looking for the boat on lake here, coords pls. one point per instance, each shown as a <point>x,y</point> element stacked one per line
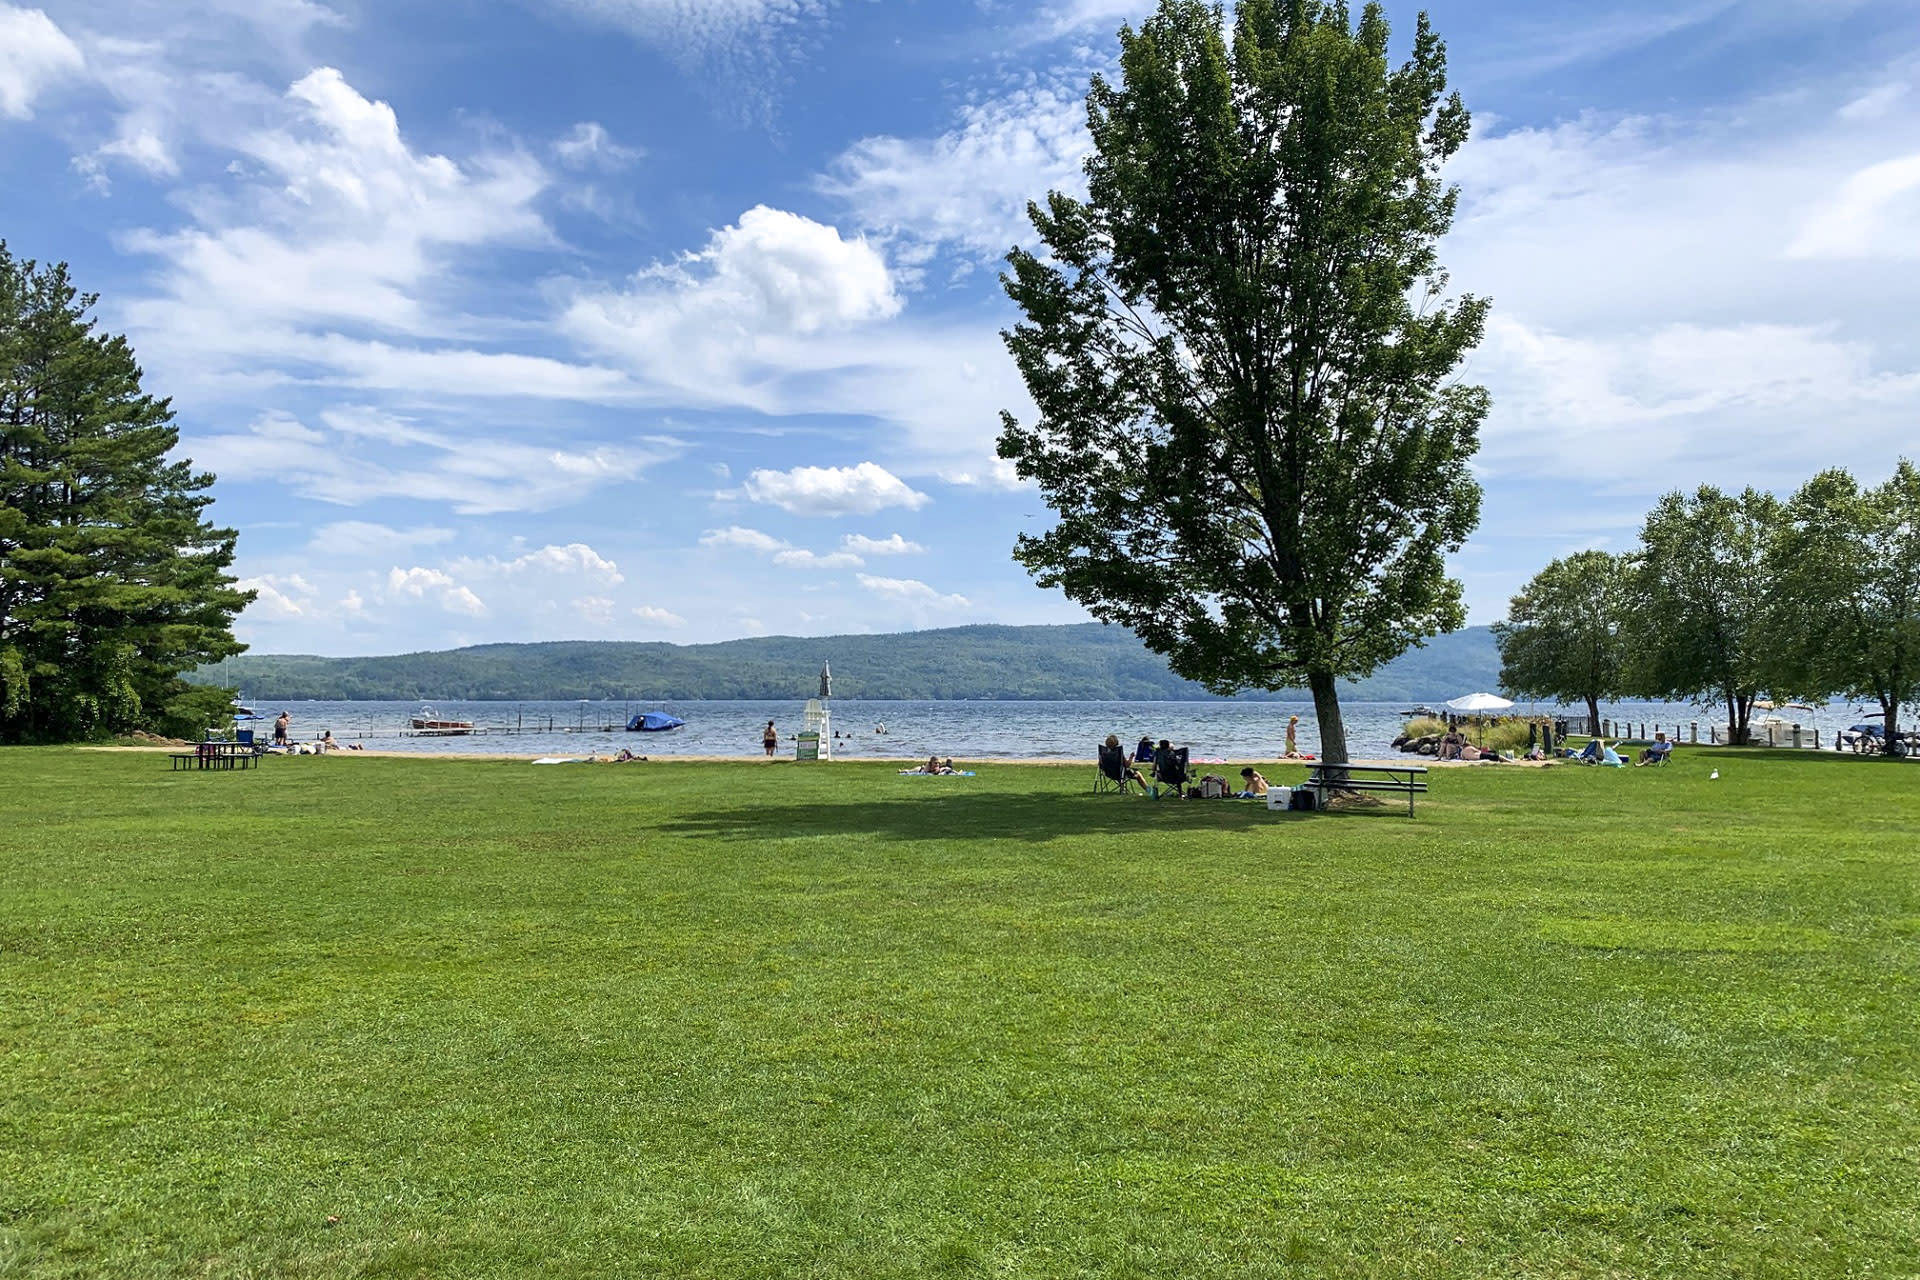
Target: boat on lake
<point>653,722</point>
<point>428,721</point>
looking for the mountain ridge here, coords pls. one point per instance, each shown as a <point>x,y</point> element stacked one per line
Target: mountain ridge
<point>1074,662</point>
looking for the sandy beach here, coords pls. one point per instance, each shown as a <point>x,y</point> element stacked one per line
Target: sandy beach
<point>1197,767</point>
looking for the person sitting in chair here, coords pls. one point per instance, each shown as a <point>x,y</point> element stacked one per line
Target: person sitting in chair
<point>1114,764</point>
<point>1656,752</point>
<point>1170,767</point>
<point>1452,744</point>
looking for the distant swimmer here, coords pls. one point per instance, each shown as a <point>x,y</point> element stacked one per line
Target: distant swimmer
<point>880,728</point>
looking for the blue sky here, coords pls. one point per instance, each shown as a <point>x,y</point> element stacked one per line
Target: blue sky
<point>678,319</point>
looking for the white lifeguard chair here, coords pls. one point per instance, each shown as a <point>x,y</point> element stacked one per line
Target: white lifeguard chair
<point>817,719</point>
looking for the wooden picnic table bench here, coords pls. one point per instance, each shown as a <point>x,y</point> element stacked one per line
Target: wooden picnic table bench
<point>1400,779</point>
<point>213,755</point>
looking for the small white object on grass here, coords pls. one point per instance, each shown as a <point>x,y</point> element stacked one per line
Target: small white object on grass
<point>1713,775</point>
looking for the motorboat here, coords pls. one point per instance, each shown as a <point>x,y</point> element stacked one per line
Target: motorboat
<point>428,721</point>
<point>653,722</point>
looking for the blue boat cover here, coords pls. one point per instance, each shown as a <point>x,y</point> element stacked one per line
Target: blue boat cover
<point>653,722</point>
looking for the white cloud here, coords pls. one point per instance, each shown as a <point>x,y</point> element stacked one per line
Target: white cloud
<point>911,591</point>
<point>416,582</point>
<point>35,54</point>
<point>1650,328</point>
<point>772,277</point>
<point>1875,214</point>
<point>332,254</point>
<point>420,583</point>
<point>278,597</point>
<point>783,553</point>
<point>997,475</point>
<point>353,539</point>
<point>1877,102</point>
<point>588,145</point>
<point>659,617</point>
<point>801,558</point>
<point>833,491</point>
<point>463,601</point>
<point>365,454</point>
<point>597,610</point>
<point>731,46</point>
<point>742,539</point>
<point>891,545</point>
<point>970,186</point>
<point>574,558</point>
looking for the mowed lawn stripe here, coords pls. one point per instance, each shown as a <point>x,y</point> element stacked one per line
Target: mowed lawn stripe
<point>756,1020</point>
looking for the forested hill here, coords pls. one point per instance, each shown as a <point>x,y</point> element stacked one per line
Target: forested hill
<point>1073,663</point>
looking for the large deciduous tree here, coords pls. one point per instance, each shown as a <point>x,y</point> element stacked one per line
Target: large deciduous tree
<point>1845,571</point>
<point>111,581</point>
<point>1241,350</point>
<point>1562,637</point>
<point>1698,602</point>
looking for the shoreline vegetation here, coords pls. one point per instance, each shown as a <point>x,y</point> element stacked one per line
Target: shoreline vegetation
<point>733,1020</point>
<point>1082,662</point>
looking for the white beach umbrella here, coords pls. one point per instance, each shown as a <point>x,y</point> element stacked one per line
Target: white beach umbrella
<point>1479,704</point>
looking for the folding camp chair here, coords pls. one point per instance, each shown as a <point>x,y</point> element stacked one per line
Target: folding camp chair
<point>1111,772</point>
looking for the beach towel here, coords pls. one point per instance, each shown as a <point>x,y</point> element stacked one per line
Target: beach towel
<point>922,773</point>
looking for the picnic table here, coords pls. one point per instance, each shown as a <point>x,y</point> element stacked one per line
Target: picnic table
<point>1399,779</point>
<point>214,755</point>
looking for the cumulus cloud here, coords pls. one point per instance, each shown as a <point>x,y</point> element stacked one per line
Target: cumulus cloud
<point>771,278</point>
<point>422,583</point>
<point>891,545</point>
<point>833,491</point>
<point>574,558</point>
<point>35,55</point>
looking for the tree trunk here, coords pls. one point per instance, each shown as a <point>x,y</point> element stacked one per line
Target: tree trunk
<point>1593,713</point>
<point>1890,719</point>
<point>1326,711</point>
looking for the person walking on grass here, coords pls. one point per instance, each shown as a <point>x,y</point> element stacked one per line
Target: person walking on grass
<point>769,739</point>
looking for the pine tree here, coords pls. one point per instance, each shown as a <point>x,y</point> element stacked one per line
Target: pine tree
<point>112,582</point>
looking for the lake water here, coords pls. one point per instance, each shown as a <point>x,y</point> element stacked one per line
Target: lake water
<point>963,730</point>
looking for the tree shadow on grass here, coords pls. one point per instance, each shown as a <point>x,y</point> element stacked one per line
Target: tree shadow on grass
<point>982,815</point>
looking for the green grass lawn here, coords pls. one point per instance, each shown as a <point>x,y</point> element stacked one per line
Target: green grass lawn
<point>749,1020</point>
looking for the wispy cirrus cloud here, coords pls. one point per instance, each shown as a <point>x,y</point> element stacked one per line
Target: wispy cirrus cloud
<point>360,455</point>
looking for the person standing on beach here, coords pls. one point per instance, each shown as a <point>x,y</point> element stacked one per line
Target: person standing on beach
<point>769,739</point>
<point>1293,738</point>
<point>280,727</point>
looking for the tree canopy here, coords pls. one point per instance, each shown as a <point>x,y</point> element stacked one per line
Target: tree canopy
<point>1696,613</point>
<point>1844,568</point>
<point>112,582</point>
<point>1562,637</point>
<point>1241,350</point>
